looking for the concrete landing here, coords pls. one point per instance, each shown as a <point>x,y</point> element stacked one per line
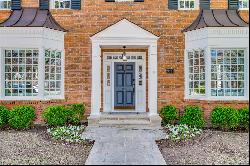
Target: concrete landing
<point>123,146</point>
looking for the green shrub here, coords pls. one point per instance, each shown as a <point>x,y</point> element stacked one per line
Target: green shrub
<point>4,116</point>
<point>64,115</point>
<point>55,115</point>
<point>75,113</point>
<point>225,117</point>
<point>193,117</point>
<point>244,118</point>
<point>169,114</point>
<point>21,117</point>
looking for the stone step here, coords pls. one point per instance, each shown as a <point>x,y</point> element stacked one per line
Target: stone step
<point>124,122</point>
<point>124,116</point>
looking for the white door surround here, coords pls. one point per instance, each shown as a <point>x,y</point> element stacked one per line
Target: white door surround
<point>109,59</point>
<point>123,33</point>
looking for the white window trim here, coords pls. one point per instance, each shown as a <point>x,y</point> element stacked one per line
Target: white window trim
<point>41,77</point>
<point>6,8</point>
<point>207,95</point>
<point>244,7</point>
<point>52,5</point>
<point>196,6</point>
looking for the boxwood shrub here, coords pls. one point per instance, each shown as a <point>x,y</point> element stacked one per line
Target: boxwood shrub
<point>21,117</point>
<point>55,115</point>
<point>4,116</point>
<point>64,115</point>
<point>244,118</point>
<point>169,114</point>
<point>225,118</point>
<point>76,113</point>
<point>193,117</point>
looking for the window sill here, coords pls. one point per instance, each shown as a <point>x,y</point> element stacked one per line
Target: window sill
<point>5,9</point>
<point>243,9</point>
<point>179,9</point>
<point>31,98</point>
<point>202,98</point>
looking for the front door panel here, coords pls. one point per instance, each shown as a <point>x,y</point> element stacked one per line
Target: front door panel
<point>124,85</point>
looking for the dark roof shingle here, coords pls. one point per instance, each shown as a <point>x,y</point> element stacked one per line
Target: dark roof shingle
<point>32,17</point>
<point>217,18</point>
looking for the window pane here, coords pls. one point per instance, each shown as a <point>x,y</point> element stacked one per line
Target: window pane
<point>230,76</point>
<point>21,77</point>
<point>196,66</point>
<point>53,73</point>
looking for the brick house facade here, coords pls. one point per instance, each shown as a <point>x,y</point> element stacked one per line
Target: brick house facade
<point>151,15</point>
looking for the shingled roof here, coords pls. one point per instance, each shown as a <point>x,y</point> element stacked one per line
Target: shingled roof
<point>32,17</point>
<point>217,18</point>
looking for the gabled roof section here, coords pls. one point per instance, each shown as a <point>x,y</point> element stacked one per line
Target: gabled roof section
<point>217,18</point>
<point>124,29</point>
<point>32,17</point>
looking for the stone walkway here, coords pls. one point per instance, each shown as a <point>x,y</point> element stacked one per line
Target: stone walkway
<point>121,146</point>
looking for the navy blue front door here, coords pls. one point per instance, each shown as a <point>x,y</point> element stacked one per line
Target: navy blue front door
<point>124,85</point>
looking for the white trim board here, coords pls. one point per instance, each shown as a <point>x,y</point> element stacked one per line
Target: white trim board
<point>124,33</point>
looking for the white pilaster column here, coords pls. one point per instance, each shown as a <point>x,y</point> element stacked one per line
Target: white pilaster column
<point>152,80</point>
<point>41,72</point>
<point>96,80</point>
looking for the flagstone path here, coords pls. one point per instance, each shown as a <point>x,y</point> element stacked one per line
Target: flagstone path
<point>123,146</point>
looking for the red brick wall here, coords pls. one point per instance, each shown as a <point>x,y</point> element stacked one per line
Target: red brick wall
<point>152,15</point>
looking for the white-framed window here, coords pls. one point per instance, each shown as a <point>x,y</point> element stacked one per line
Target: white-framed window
<point>227,72</point>
<point>188,4</point>
<point>53,73</point>
<point>28,75</point>
<point>61,4</point>
<point>21,72</point>
<point>5,4</point>
<point>196,72</point>
<point>244,4</point>
<point>219,75</point>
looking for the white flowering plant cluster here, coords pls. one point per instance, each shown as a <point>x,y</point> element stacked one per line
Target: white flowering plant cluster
<point>182,132</point>
<point>70,134</point>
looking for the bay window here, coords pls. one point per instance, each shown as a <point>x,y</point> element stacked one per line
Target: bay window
<point>24,74</point>
<point>222,76</point>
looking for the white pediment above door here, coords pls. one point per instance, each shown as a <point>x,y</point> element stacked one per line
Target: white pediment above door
<point>124,29</point>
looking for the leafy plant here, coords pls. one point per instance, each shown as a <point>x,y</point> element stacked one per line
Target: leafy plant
<point>75,113</point>
<point>182,132</point>
<point>169,114</point>
<point>21,117</point>
<point>244,118</point>
<point>55,115</point>
<point>225,118</point>
<point>4,116</point>
<point>71,134</point>
<point>64,115</point>
<point>193,117</point>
